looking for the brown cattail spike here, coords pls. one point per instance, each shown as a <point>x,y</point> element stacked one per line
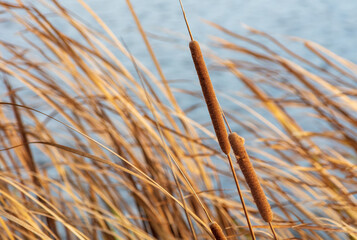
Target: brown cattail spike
<point>251,177</point>
<point>217,231</point>
<point>213,106</point>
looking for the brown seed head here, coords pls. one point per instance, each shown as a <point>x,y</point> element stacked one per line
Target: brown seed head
<point>250,176</point>
<point>217,231</point>
<point>213,106</point>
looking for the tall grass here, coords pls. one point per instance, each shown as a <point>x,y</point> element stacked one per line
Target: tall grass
<point>92,149</point>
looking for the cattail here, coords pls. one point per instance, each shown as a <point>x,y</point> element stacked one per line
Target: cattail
<point>217,231</point>
<point>213,106</point>
<point>251,178</point>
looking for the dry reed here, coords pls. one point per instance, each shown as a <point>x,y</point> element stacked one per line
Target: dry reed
<point>119,186</point>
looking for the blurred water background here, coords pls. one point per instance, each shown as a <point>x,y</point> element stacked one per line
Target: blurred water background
<point>331,23</point>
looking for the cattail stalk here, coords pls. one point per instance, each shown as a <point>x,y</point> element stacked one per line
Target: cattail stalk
<point>213,106</point>
<point>217,231</point>
<point>251,178</point>
<point>216,115</point>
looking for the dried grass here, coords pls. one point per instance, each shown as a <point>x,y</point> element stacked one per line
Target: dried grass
<point>97,166</point>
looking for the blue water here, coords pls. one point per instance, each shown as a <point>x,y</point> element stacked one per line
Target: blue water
<point>331,23</point>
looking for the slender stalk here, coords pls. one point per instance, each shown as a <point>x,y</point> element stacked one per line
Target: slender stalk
<point>241,197</point>
<point>273,231</point>
<point>184,16</point>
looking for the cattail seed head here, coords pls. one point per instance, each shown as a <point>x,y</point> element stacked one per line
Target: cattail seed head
<point>250,176</point>
<point>217,231</point>
<point>213,106</point>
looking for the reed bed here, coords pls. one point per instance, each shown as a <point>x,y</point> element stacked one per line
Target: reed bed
<point>88,143</point>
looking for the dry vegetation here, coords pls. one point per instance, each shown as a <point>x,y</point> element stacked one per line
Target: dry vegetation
<point>91,149</point>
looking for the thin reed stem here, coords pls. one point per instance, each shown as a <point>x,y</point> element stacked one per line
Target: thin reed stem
<point>273,231</point>
<point>184,16</point>
<point>241,197</point>
<point>225,120</point>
